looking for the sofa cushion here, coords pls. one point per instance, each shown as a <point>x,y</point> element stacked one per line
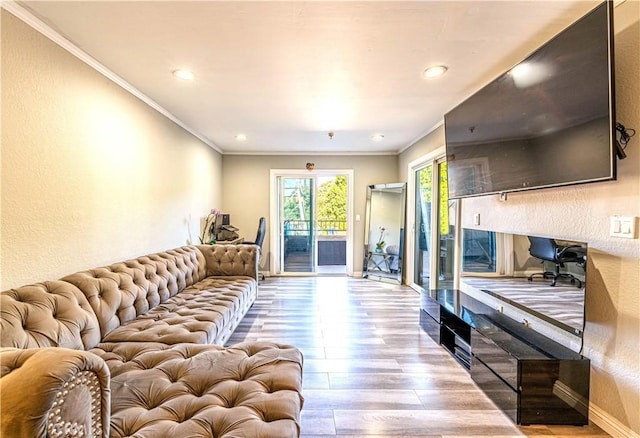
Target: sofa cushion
<point>49,314</point>
<point>121,292</point>
<point>195,390</point>
<point>121,357</point>
<point>205,313</point>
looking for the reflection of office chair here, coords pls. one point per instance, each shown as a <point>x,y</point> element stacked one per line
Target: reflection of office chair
<point>547,250</point>
<point>262,229</point>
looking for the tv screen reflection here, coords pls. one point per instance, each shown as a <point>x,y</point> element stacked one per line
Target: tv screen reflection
<point>539,275</point>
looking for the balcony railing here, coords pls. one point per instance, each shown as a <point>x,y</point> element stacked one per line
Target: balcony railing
<point>324,228</point>
<point>331,238</point>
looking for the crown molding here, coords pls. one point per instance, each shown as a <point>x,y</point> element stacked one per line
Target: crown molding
<point>309,153</point>
<point>421,136</point>
<point>28,18</point>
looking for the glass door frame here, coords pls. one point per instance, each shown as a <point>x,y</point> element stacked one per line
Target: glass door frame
<point>432,158</point>
<point>305,237</point>
<point>275,231</point>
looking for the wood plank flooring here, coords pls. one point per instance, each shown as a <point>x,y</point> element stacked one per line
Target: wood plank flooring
<point>369,370</point>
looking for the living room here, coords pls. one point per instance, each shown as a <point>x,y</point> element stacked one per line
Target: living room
<point>92,175</point>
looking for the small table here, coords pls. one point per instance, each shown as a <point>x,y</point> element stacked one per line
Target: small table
<point>379,261</point>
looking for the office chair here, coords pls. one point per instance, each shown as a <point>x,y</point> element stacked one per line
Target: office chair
<point>546,249</point>
<point>262,229</point>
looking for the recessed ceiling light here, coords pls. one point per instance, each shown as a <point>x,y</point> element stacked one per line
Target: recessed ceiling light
<point>241,137</point>
<point>183,74</point>
<point>377,137</point>
<point>435,71</point>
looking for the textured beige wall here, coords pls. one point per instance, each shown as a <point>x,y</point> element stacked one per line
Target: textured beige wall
<point>90,174</point>
<point>612,332</point>
<point>246,195</point>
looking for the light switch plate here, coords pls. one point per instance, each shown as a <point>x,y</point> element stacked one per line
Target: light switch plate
<point>623,226</point>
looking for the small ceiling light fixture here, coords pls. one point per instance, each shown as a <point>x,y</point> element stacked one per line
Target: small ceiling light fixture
<point>241,137</point>
<point>377,137</point>
<point>185,75</point>
<point>435,71</point>
<point>330,135</point>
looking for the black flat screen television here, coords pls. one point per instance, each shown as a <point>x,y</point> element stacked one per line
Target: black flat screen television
<point>549,121</point>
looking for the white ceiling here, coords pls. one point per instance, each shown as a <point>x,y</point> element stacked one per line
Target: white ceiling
<point>287,73</point>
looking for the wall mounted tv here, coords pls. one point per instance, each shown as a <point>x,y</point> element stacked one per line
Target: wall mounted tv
<point>549,121</point>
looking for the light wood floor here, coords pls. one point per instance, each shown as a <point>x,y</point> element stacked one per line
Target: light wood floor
<point>369,370</point>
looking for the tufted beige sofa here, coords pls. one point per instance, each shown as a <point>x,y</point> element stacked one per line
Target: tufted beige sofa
<point>135,349</point>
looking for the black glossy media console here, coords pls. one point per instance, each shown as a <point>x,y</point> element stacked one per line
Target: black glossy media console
<point>533,379</point>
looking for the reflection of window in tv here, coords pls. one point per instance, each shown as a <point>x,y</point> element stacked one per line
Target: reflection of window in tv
<point>478,251</point>
<point>469,175</point>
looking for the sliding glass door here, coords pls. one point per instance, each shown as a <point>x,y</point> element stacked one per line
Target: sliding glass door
<point>311,229</point>
<point>434,224</point>
<point>422,230</point>
<point>297,222</point>
<point>446,226</point>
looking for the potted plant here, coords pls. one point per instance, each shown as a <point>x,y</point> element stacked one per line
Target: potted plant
<point>380,243</point>
<point>208,229</point>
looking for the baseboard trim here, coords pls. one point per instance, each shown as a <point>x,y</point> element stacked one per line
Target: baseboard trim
<point>570,397</point>
<point>609,424</point>
<point>267,274</point>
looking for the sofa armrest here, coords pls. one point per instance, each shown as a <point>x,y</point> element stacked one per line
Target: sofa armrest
<point>231,260</point>
<point>52,392</point>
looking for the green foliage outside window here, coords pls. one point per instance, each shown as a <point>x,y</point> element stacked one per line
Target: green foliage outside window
<point>297,199</point>
<point>426,183</point>
<point>331,213</point>
<point>426,195</point>
<point>444,199</point>
<point>332,200</point>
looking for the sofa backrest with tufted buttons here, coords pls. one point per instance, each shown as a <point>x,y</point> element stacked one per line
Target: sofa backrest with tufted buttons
<point>231,260</point>
<point>82,308</point>
<point>120,292</point>
<point>49,314</point>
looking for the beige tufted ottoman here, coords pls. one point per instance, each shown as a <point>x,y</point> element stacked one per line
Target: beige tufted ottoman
<point>187,390</point>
